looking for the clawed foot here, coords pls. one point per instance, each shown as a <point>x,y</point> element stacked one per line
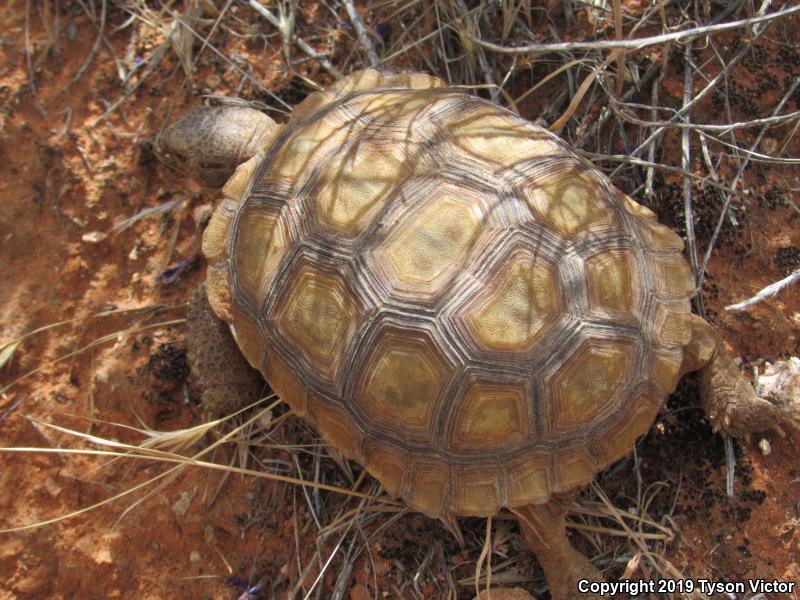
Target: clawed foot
<point>735,409</point>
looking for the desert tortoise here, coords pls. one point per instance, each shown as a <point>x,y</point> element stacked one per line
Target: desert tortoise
<point>454,298</point>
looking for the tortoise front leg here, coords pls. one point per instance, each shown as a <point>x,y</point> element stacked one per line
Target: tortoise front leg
<point>544,530</point>
<point>727,397</point>
<point>226,380</point>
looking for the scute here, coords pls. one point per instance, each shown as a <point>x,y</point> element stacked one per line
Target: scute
<point>335,424</point>
<point>613,280</point>
<point>307,145</point>
<point>476,491</point>
<point>317,316</point>
<point>621,434</point>
<point>487,136</point>
<point>251,259</point>
<point>427,486</point>
<point>587,385</point>
<point>491,415</point>
<point>571,200</point>
<point>403,380</point>
<point>356,184</point>
<point>513,312</point>
<point>450,294</point>
<point>433,243</point>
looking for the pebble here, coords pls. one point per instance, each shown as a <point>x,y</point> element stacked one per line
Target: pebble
<point>94,237</point>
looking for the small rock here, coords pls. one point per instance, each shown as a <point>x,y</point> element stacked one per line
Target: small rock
<point>265,420</point>
<point>208,533</point>
<point>52,487</point>
<point>764,446</point>
<point>212,81</point>
<point>94,237</point>
<point>182,504</point>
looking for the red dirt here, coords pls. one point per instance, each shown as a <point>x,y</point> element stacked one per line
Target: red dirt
<point>65,172</point>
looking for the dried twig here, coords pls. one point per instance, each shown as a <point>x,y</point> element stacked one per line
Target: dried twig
<point>301,43</point>
<point>95,47</point>
<point>361,32</point>
<point>472,31</point>
<point>765,293</point>
<point>637,44</point>
<point>686,163</point>
<point>738,176</point>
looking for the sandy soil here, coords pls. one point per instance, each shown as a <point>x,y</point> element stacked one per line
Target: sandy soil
<point>71,170</point>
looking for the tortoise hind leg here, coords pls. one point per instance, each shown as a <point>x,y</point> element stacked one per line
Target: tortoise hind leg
<point>544,530</point>
<point>727,397</point>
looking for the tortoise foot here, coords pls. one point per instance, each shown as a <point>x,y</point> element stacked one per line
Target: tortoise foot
<point>733,406</point>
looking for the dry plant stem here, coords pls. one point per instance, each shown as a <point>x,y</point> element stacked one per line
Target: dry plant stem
<point>95,47</point>
<point>582,90</point>
<point>738,176</point>
<point>301,43</point>
<point>153,61</point>
<point>361,32</point>
<point>765,293</point>
<point>637,44</point>
<point>620,79</point>
<point>28,61</point>
<point>233,65</point>
<point>686,164</point>
<point>217,21</point>
<point>710,86</point>
<point>544,530</point>
<point>486,555</point>
<point>710,127</point>
<point>472,30</point>
<point>606,112</point>
<point>651,150</point>
<point>594,156</point>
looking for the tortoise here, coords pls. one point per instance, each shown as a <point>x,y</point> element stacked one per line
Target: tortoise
<point>453,297</point>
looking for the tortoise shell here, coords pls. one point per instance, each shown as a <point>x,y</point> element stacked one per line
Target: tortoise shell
<point>451,295</point>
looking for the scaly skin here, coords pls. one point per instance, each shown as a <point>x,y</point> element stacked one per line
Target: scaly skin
<point>209,142</point>
<point>226,380</point>
<point>727,397</point>
<point>543,528</point>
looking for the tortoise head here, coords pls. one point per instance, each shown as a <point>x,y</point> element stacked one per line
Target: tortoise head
<point>209,142</point>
